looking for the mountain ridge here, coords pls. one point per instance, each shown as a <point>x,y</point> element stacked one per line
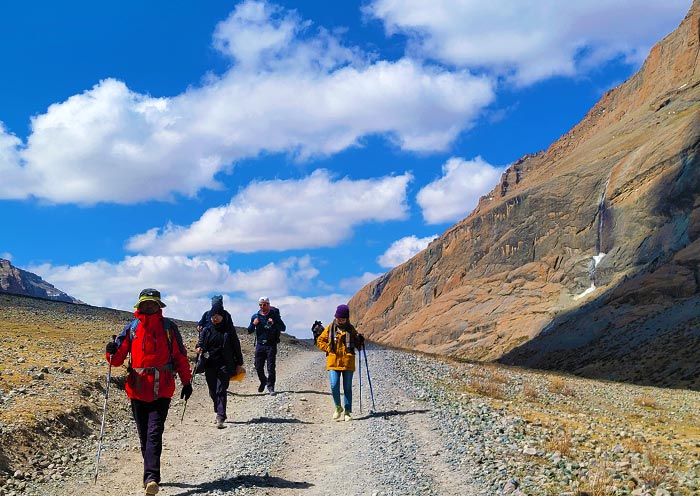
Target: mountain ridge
<point>17,281</point>
<point>606,209</point>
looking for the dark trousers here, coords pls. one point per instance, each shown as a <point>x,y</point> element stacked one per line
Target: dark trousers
<point>266,354</point>
<point>150,423</point>
<point>217,382</point>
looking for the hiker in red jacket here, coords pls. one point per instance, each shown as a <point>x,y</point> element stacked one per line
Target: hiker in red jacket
<point>157,353</point>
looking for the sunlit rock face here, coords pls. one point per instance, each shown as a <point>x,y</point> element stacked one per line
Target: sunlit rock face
<point>585,255</point>
<point>18,281</point>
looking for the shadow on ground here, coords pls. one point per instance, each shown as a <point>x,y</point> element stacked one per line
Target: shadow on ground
<point>390,413</point>
<point>307,391</point>
<point>235,482</point>
<point>271,420</point>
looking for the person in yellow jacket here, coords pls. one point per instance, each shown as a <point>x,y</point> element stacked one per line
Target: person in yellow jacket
<point>340,340</point>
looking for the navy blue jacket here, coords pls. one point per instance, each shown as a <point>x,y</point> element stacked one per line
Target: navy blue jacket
<point>267,334</point>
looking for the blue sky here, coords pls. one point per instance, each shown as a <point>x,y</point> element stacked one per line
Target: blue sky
<point>295,150</point>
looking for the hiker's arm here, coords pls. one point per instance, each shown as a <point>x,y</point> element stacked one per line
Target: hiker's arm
<point>180,361</point>
<point>122,342</point>
<point>322,341</point>
<point>281,326</point>
<point>251,326</point>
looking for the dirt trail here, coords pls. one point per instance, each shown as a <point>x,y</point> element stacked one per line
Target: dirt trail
<point>283,444</point>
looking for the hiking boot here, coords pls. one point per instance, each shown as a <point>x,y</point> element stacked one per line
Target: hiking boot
<point>151,488</point>
<point>347,417</point>
<point>271,390</point>
<point>338,412</point>
<point>261,387</point>
<point>220,424</point>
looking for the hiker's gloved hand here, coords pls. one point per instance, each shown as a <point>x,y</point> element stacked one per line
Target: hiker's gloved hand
<point>360,341</point>
<point>111,348</point>
<point>186,392</point>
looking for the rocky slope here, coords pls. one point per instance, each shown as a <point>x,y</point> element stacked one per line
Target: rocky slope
<point>18,281</point>
<point>585,255</point>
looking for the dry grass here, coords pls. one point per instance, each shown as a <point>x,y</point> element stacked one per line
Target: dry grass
<point>561,442</point>
<point>646,402</point>
<point>484,387</point>
<point>530,392</point>
<point>655,469</point>
<point>597,482</point>
<point>499,377</point>
<point>635,445</point>
<point>558,385</point>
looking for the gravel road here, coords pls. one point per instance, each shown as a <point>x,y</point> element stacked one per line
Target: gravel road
<point>437,427</point>
<point>288,443</point>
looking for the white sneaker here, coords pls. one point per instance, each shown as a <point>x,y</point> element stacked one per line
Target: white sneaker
<point>338,412</point>
<point>347,417</point>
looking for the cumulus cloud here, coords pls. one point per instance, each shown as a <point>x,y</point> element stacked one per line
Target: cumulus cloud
<point>185,283</point>
<point>403,249</point>
<point>280,215</point>
<point>457,192</point>
<point>289,90</point>
<point>530,41</point>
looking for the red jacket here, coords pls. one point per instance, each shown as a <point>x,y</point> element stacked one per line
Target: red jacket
<point>155,357</point>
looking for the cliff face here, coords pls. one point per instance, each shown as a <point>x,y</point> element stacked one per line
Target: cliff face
<point>596,235</point>
<point>18,281</point>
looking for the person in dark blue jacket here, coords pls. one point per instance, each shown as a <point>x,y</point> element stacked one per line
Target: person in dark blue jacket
<point>220,350</point>
<point>267,324</point>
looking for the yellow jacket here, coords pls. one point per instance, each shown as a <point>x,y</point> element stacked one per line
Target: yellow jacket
<point>342,355</point>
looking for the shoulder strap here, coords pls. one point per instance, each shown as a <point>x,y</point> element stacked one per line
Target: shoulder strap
<point>168,328</point>
<point>132,330</point>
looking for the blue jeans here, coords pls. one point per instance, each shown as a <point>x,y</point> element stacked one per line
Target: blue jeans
<point>334,377</point>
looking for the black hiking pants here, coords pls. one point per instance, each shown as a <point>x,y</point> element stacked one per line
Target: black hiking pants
<point>266,354</point>
<point>150,423</point>
<point>217,383</point>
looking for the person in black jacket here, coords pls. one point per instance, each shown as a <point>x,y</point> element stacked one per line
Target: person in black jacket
<point>220,349</point>
<point>206,319</point>
<point>267,324</point>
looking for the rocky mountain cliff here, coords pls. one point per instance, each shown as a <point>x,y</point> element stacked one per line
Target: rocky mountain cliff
<point>18,281</point>
<point>585,257</point>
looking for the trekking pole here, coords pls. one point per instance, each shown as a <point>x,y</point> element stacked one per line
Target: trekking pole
<point>183,411</point>
<point>104,413</point>
<point>196,364</point>
<point>360,364</point>
<point>371,393</point>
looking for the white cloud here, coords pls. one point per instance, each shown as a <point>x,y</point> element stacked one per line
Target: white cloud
<point>15,184</point>
<point>457,192</point>
<point>530,41</point>
<point>279,215</point>
<point>186,285</point>
<point>352,284</point>
<point>292,91</point>
<point>6,256</point>
<point>403,249</point>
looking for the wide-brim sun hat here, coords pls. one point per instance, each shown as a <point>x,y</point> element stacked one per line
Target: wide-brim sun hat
<point>150,294</point>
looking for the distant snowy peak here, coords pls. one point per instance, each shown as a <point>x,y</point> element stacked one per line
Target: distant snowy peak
<point>18,281</point>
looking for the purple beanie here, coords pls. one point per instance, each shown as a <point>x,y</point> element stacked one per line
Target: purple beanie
<point>342,312</point>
